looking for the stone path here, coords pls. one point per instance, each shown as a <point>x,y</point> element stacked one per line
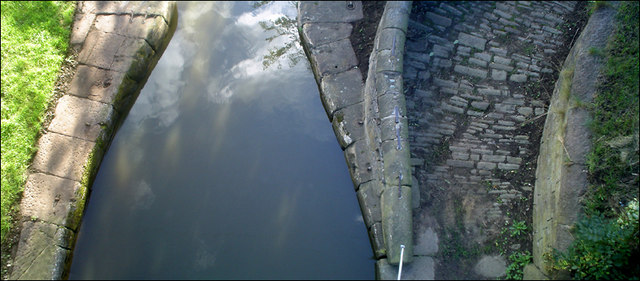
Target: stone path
<point>474,80</point>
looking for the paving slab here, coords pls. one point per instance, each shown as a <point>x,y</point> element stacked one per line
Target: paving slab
<point>53,200</point>
<point>63,156</point>
<point>341,90</point>
<point>82,118</point>
<point>323,33</point>
<point>329,11</point>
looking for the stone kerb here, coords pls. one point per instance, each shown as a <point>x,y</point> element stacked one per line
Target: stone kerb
<point>388,130</point>
<point>119,44</point>
<point>561,178</point>
<point>369,119</point>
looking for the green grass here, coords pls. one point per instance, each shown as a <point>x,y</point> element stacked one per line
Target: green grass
<point>616,115</point>
<point>606,238</point>
<point>35,36</point>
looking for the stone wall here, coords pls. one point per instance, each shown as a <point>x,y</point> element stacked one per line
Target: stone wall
<point>561,175</point>
<point>118,45</point>
<point>369,119</point>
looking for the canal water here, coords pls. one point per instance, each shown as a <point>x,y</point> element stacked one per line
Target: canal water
<point>224,169</point>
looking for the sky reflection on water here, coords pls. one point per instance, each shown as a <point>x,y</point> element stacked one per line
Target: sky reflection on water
<point>224,169</point>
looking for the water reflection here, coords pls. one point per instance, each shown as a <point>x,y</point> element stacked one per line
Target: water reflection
<point>224,169</point>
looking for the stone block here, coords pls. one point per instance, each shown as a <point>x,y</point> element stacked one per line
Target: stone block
<point>100,48</point>
<point>426,243</point>
<point>519,78</point>
<point>422,268</point>
<point>500,66</point>
<point>81,25</point>
<point>471,41</point>
<point>397,222</point>
<point>62,155</point>
<point>369,198</point>
<point>415,193</point>
<point>388,83</point>
<point>53,200</point>
<point>385,41</point>
<point>482,105</point>
<point>360,163</point>
<point>498,75</point>
<point>390,130</point>
<point>42,251</point>
<point>377,240</point>
<point>438,19</point>
<point>153,29</point>
<point>460,163</point>
<point>328,11</point>
<point>387,62</point>
<point>348,124</point>
<point>334,57</point>
<point>341,90</point>
<point>95,83</point>
<point>470,71</point>
<point>388,102</point>
<point>396,162</point>
<point>396,15</point>
<point>323,33</point>
<point>134,57</point>
<point>82,118</point>
<point>164,9</point>
<point>493,158</point>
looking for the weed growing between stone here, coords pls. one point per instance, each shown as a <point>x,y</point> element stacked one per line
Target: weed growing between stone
<point>606,238</point>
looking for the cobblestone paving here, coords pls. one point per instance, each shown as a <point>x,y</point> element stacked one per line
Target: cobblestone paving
<point>474,75</point>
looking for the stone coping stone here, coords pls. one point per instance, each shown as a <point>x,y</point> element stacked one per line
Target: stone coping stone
<point>328,12</point>
<point>151,29</point>
<point>322,33</point>
<point>377,240</point>
<point>81,118</point>
<point>53,200</point>
<point>135,8</point>
<point>348,125</point>
<point>341,90</point>
<point>360,163</point>
<point>397,227</point>
<point>369,198</point>
<point>43,252</point>
<point>63,156</point>
<point>334,57</point>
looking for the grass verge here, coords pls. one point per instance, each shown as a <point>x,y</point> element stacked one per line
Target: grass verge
<point>35,37</point>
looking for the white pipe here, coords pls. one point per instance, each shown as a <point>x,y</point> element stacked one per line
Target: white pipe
<point>401,256</point>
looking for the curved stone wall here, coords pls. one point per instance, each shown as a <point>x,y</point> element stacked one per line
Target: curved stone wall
<point>561,175</point>
<point>369,119</point>
<point>118,45</point>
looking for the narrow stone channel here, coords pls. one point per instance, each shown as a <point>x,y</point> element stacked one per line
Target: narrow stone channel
<point>224,169</point>
<point>478,77</point>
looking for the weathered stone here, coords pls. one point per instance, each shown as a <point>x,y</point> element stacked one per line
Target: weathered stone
<point>81,118</point>
<point>100,48</point>
<point>490,92</point>
<point>396,15</point>
<point>390,130</point>
<point>348,124</point>
<point>334,57</point>
<point>438,19</point>
<point>134,57</point>
<point>387,104</point>
<point>483,56</point>
<point>377,240</point>
<point>341,90</point>
<point>520,78</point>
<point>422,268</point>
<point>328,11</point>
<point>470,71</point>
<point>471,41</point>
<point>397,222</point>
<point>62,155</point>
<point>323,33</point>
<point>369,198</point>
<point>450,108</point>
<point>498,75</point>
<point>508,166</point>
<point>42,252</point>
<point>96,84</point>
<point>54,200</point>
<point>388,62</point>
<point>359,162</point>
<point>478,62</point>
<point>396,162</point>
<point>491,267</point>
<point>480,105</point>
<point>426,243</point>
<point>500,66</point>
<point>493,158</point>
<point>486,165</point>
<point>460,163</point>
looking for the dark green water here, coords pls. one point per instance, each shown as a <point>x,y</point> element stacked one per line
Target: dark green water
<point>224,170</point>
